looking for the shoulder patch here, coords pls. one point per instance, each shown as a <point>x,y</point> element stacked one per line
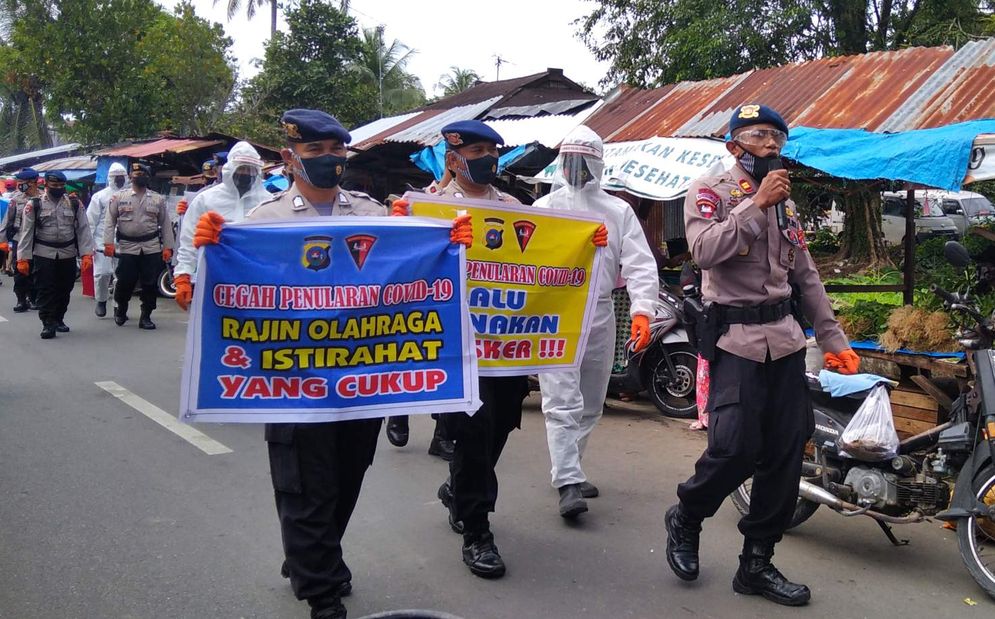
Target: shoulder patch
<point>707,202</point>
<point>746,185</point>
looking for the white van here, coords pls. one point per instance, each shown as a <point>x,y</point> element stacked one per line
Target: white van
<point>930,220</point>
<point>965,208</point>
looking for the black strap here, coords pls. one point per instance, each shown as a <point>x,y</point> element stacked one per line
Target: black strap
<point>137,239</point>
<point>755,315</point>
<point>56,244</point>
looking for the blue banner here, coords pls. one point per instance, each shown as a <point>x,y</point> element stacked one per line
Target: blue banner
<point>329,319</point>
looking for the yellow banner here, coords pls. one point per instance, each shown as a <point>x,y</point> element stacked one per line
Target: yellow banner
<point>531,282</point>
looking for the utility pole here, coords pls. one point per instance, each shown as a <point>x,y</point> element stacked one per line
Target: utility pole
<point>380,30</point>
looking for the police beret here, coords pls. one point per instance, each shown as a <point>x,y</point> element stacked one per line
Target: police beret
<point>754,114</point>
<point>142,168</point>
<point>313,126</point>
<point>55,177</point>
<point>210,164</point>
<point>465,132</point>
<point>221,156</point>
<point>27,174</point>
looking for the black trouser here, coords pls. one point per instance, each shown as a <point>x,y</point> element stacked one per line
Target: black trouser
<point>317,471</point>
<point>132,269</point>
<point>760,417</point>
<point>479,442</point>
<point>54,279</point>
<point>24,285</point>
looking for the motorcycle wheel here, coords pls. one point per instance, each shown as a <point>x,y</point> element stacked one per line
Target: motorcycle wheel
<point>741,499</point>
<point>165,284</point>
<point>677,400</point>
<point>976,539</point>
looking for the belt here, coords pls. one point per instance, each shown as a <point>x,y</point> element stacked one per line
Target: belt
<point>755,315</point>
<point>56,244</point>
<point>138,239</point>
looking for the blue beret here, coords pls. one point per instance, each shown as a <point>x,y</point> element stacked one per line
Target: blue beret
<point>55,177</point>
<point>464,132</point>
<point>221,156</point>
<point>141,167</point>
<point>754,114</point>
<point>27,174</point>
<point>210,164</point>
<point>313,126</point>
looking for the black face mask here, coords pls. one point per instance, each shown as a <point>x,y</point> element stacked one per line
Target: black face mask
<point>119,181</point>
<point>324,172</point>
<point>56,194</point>
<point>576,172</point>
<point>242,182</point>
<point>482,170</point>
<point>757,167</point>
<point>22,187</point>
<point>140,181</point>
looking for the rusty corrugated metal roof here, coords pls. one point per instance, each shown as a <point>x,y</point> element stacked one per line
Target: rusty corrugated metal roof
<point>158,147</point>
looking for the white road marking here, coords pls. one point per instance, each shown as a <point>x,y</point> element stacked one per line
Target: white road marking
<point>196,438</point>
<point>2,319</point>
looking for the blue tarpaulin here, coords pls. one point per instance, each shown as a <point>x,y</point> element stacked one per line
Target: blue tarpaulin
<point>104,165</point>
<point>932,157</point>
<point>433,158</point>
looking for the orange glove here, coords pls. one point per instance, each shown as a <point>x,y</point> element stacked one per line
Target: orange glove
<point>109,250</point>
<point>167,254</point>
<point>24,267</point>
<point>184,291</point>
<point>181,207</point>
<point>208,230</point>
<point>462,231</point>
<point>846,362</point>
<point>5,246</point>
<point>640,332</point>
<point>399,208</point>
<point>86,262</point>
<point>601,237</point>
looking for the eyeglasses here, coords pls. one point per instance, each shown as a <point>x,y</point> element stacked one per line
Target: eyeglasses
<point>759,136</point>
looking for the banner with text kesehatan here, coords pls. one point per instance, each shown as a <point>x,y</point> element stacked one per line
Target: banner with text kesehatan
<point>531,282</point>
<point>329,319</point>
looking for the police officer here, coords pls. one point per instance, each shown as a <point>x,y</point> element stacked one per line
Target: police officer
<point>27,188</point>
<point>743,232</point>
<point>54,232</point>
<point>138,219</point>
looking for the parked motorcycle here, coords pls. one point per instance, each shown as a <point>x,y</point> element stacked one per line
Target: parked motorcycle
<point>947,472</point>
<point>667,367</point>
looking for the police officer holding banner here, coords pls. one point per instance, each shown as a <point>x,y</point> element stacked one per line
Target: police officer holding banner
<point>54,233</point>
<point>138,220</point>
<point>743,232</point>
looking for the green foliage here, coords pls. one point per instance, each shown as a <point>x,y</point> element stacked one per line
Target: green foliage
<point>457,80</point>
<point>383,68</point>
<point>825,242</point>
<point>865,320</point>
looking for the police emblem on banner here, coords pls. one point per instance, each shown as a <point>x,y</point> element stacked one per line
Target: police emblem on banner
<point>523,233</point>
<point>316,252</point>
<point>494,234</point>
<point>359,247</point>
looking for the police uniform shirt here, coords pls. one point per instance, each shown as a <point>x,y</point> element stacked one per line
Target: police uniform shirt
<point>455,190</point>
<point>138,216</point>
<point>746,260</point>
<point>54,223</point>
<point>15,214</point>
<point>291,203</point>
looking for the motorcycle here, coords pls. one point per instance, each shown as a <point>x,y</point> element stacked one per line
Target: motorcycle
<point>947,472</point>
<point>667,367</point>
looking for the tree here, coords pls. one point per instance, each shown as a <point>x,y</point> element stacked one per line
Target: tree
<point>457,80</point>
<point>383,67</point>
<point>22,117</point>
<point>250,10</point>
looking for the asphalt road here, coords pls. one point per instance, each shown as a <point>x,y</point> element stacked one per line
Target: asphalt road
<point>106,513</point>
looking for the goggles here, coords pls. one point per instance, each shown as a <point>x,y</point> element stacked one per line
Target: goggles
<point>760,136</point>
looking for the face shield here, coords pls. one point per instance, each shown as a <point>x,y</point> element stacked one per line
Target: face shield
<point>580,165</point>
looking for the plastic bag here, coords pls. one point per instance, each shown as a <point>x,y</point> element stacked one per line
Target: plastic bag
<point>870,435</point>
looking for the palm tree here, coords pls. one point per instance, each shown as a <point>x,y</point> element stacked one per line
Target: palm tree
<point>22,119</point>
<point>457,80</point>
<point>250,10</point>
<point>384,67</point>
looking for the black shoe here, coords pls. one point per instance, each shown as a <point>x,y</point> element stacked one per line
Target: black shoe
<point>32,305</point>
<point>572,504</point>
<point>442,448</point>
<point>61,327</point>
<point>47,332</point>
<point>144,322</point>
<point>588,490</point>
<point>758,576</point>
<point>21,307</point>
<point>481,556</point>
<point>120,316</point>
<point>101,309</point>
<point>445,495</point>
<point>397,430</point>
<point>330,608</point>
<point>682,543</point>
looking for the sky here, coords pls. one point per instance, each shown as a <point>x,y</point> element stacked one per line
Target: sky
<point>530,35</point>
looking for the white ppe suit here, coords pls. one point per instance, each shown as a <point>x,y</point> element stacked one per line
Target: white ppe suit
<point>224,199</point>
<point>572,401</point>
<point>96,215</point>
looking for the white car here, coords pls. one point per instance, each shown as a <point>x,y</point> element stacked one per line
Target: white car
<point>930,221</point>
<point>965,208</point>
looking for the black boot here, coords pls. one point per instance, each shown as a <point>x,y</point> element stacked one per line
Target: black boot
<point>32,304</point>
<point>22,305</point>
<point>101,309</point>
<point>481,555</point>
<point>145,321</point>
<point>327,608</point>
<point>758,576</point>
<point>48,331</point>
<point>588,490</point>
<point>682,543</point>
<point>397,430</point>
<point>61,327</point>
<point>572,504</point>
<point>445,495</point>
<point>120,315</point>
<point>440,446</point>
